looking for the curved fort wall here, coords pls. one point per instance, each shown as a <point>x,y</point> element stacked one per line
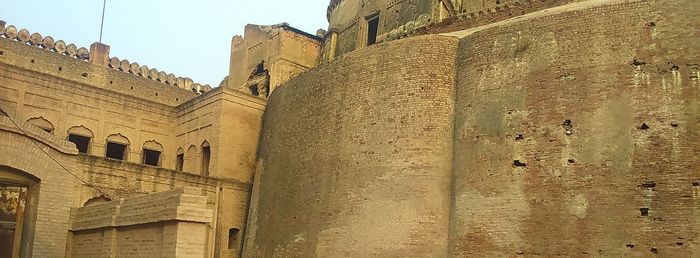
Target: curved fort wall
<point>570,131</point>
<point>355,156</point>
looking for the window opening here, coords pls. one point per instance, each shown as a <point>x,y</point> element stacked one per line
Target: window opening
<point>116,151</point>
<point>81,142</point>
<point>180,162</point>
<point>372,29</point>
<point>206,156</point>
<point>151,157</point>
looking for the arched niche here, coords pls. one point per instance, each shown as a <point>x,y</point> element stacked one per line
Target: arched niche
<point>41,123</point>
<point>153,145</point>
<point>96,200</point>
<point>191,157</point>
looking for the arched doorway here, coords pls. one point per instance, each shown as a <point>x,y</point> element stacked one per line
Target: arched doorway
<point>18,198</point>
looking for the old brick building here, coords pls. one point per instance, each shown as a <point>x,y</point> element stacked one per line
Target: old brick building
<point>410,128</point>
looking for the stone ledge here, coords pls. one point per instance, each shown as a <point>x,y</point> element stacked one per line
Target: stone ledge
<point>183,204</point>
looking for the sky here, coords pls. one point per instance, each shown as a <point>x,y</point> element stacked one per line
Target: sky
<point>189,38</point>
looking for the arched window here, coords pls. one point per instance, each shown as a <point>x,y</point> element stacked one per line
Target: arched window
<point>206,156</point>
<point>41,123</point>
<point>180,160</point>
<point>117,147</point>
<point>81,137</point>
<point>151,153</point>
<point>191,165</point>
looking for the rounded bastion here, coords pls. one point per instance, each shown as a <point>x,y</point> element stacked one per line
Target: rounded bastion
<point>571,131</point>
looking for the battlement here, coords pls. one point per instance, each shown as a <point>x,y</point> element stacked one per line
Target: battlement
<point>98,54</point>
<point>471,19</point>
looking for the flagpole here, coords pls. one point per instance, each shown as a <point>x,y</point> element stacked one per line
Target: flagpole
<point>104,4</point>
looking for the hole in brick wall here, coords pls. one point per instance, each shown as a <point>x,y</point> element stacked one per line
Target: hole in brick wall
<point>177,99</point>
<point>644,126</point>
<point>1,53</point>
<point>233,237</point>
<point>111,82</point>
<point>652,24</point>
<point>518,163</point>
<point>679,243</point>
<point>644,211</point>
<point>571,161</point>
<point>132,87</point>
<point>674,67</point>
<point>568,127</point>
<point>630,245</point>
<point>32,61</point>
<point>519,137</point>
<point>60,68</point>
<point>696,183</point>
<point>156,93</point>
<point>84,75</point>
<point>636,62</point>
<point>674,125</point>
<point>654,250</point>
<point>648,184</point>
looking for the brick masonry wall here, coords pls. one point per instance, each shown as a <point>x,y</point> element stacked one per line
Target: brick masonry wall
<point>575,135</point>
<point>625,75</point>
<point>355,156</point>
<point>122,180</point>
<point>165,224</point>
<point>54,199</point>
<point>39,83</point>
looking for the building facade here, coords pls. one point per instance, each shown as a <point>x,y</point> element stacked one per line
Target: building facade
<point>408,128</point>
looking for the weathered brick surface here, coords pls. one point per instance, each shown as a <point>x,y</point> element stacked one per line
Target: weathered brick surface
<point>22,153</point>
<point>355,156</point>
<point>166,224</point>
<point>580,194</point>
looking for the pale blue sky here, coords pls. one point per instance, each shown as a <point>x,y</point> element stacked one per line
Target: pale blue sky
<point>189,38</point>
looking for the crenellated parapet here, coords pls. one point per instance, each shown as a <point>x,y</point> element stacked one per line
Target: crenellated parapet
<point>46,42</point>
<point>98,54</point>
<point>152,73</point>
